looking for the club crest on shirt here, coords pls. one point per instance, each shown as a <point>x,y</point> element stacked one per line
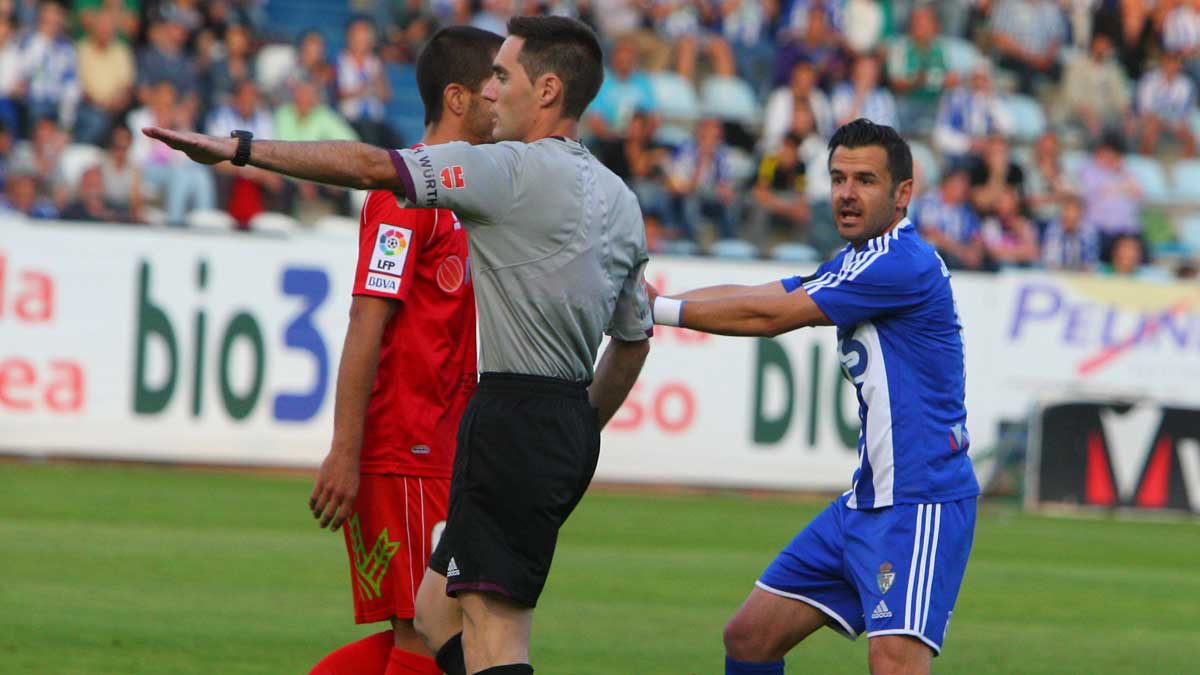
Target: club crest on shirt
<point>391,249</point>
<point>886,577</point>
<point>451,274</point>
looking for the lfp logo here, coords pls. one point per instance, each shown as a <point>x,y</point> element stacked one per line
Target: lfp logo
<point>392,241</point>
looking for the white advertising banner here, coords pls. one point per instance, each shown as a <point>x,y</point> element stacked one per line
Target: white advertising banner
<point>153,344</point>
<point>189,346</point>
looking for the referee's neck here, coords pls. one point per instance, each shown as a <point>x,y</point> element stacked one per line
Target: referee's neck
<point>564,127</point>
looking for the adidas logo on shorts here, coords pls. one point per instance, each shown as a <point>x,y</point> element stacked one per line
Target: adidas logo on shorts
<point>452,571</point>
<point>881,611</point>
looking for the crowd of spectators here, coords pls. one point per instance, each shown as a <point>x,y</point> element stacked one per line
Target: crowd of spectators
<point>716,112</point>
<point>78,81</point>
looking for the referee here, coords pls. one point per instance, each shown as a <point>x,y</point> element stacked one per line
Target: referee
<point>558,248</point>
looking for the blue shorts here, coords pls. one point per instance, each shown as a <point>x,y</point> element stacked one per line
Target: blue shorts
<point>889,571</point>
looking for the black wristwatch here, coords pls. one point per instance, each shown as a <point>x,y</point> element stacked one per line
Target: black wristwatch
<point>242,156</point>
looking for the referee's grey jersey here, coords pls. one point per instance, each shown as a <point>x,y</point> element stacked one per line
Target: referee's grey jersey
<point>557,245</point>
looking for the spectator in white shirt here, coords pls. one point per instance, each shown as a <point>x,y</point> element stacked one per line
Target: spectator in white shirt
<point>11,87</point>
<point>1181,34</point>
<point>1166,99</point>
<point>249,191</point>
<point>1096,91</point>
<point>967,116</point>
<point>801,88</point>
<point>182,183</point>
<point>863,97</point>
<point>1026,36</point>
<point>363,87</point>
<point>49,67</point>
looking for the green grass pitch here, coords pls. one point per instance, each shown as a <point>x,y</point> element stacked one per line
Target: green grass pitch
<point>129,570</point>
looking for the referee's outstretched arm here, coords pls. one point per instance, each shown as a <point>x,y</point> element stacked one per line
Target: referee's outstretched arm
<point>348,164</point>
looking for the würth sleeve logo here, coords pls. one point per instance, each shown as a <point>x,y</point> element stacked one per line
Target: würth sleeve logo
<point>452,177</point>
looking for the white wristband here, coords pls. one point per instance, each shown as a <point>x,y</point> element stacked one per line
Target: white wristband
<point>667,311</point>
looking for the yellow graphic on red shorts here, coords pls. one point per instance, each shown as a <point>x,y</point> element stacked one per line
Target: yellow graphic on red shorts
<point>371,567</point>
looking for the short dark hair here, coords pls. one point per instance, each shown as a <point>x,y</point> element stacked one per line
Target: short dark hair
<point>358,18</point>
<point>955,172</point>
<point>307,33</point>
<point>1113,141</point>
<point>862,132</point>
<point>454,55</point>
<point>567,48</point>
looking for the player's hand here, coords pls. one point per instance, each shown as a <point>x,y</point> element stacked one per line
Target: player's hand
<point>200,148</point>
<point>333,495</point>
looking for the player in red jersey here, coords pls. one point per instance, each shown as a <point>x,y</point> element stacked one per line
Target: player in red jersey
<point>407,371</point>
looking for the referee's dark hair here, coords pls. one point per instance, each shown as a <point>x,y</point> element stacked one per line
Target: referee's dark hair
<point>454,55</point>
<point>567,48</point>
<point>862,132</point>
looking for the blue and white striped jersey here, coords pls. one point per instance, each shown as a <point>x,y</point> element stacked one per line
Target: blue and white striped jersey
<point>901,344</point>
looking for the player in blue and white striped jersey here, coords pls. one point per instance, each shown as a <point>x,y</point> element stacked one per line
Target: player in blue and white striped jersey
<point>887,557</point>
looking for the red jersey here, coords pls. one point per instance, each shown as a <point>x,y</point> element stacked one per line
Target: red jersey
<point>427,368</point>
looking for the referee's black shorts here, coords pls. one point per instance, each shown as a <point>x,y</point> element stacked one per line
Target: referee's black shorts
<point>527,449</point>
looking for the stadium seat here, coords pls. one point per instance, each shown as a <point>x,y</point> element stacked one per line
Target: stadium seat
<point>961,55</point>
<point>13,219</point>
<point>77,158</point>
<point>1186,181</point>
<point>1022,155</point>
<point>287,19</point>
<point>672,135</point>
<point>357,199</point>
<point>273,64</point>
<point>734,249</point>
<point>273,223</point>
<point>675,97</point>
<point>731,99</point>
<point>680,247</point>
<point>795,253</point>
<point>1149,174</point>
<point>405,111</point>
<point>923,156</point>
<point>741,166</point>
<point>1189,233</point>
<point>1029,120</point>
<point>210,220</point>
<point>1073,161</point>
<point>336,227</point>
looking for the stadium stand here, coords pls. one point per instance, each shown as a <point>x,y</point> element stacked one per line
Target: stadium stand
<point>684,91</point>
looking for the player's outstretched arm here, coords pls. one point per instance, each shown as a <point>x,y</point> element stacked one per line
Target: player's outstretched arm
<point>713,292</point>
<point>766,311</point>
<point>343,163</point>
<point>618,369</point>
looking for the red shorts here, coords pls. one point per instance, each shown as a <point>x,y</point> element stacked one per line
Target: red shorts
<point>389,537</point>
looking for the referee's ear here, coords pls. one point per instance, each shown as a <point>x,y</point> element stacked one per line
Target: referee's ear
<point>550,91</point>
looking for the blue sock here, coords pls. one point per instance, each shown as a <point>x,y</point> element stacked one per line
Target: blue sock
<point>735,667</point>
